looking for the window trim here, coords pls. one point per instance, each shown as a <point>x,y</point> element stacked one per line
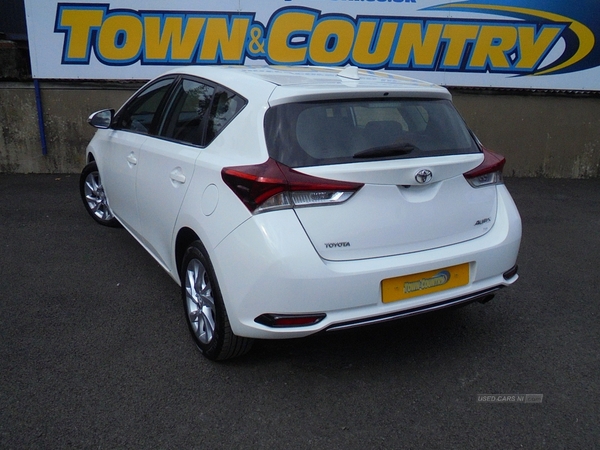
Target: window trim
<point>168,110</point>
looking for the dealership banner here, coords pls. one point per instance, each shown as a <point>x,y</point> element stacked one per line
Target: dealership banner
<point>550,44</point>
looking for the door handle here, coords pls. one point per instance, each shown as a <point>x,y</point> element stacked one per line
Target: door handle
<point>177,175</point>
<point>131,159</point>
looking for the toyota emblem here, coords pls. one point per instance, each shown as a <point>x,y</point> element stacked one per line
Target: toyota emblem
<point>423,176</point>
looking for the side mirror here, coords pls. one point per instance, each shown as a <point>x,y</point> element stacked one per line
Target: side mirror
<point>102,119</point>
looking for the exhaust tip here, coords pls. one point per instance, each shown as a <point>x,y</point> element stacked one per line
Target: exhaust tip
<point>486,298</point>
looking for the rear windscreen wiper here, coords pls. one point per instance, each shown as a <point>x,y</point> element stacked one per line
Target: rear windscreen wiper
<point>386,150</point>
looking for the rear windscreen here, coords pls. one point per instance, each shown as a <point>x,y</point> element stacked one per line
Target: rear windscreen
<point>319,133</point>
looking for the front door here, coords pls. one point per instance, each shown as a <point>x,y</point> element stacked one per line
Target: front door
<point>119,164</point>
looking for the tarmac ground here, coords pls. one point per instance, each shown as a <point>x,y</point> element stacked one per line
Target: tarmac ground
<point>95,352</point>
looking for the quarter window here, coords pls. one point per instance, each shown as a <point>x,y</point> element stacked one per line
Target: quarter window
<point>225,107</point>
<point>188,110</point>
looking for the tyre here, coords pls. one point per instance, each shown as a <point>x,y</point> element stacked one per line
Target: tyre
<point>204,308</point>
<point>94,198</point>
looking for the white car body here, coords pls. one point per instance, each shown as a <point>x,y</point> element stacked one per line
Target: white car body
<point>326,260</point>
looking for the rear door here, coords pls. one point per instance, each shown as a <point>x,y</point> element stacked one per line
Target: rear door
<point>197,113</point>
<point>168,162</point>
<point>410,154</point>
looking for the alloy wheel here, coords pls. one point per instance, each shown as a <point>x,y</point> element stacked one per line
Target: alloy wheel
<point>199,301</point>
<point>96,198</point>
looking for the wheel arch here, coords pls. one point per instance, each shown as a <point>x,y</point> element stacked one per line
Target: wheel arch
<point>185,237</point>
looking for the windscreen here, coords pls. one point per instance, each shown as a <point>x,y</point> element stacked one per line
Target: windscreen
<point>332,132</point>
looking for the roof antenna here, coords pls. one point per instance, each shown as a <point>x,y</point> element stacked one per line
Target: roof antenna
<point>350,72</point>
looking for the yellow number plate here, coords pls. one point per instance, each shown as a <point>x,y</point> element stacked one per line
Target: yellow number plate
<point>409,286</point>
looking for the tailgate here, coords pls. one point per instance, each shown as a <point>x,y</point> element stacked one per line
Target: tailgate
<point>393,214</point>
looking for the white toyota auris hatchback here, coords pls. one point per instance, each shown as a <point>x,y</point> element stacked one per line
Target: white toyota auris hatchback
<point>289,201</point>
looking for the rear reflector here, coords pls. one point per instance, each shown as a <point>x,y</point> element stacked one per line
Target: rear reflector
<point>272,185</point>
<point>283,321</point>
<point>511,273</point>
<point>489,172</point>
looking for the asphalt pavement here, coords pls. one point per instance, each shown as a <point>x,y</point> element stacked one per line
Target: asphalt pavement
<point>95,353</point>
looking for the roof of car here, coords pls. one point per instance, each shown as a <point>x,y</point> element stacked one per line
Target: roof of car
<point>306,81</point>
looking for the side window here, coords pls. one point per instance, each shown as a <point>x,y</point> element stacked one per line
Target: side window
<point>185,121</point>
<point>225,107</point>
<point>140,115</point>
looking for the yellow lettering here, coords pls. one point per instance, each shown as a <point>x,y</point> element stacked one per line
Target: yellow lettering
<point>494,43</point>
<point>80,23</point>
<point>423,49</point>
<point>229,42</point>
<point>282,31</point>
<point>299,36</point>
<point>457,37</point>
<point>362,54</point>
<point>531,50</point>
<point>174,43</point>
<point>331,41</point>
<point>120,38</point>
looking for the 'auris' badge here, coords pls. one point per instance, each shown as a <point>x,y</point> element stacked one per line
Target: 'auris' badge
<point>423,176</point>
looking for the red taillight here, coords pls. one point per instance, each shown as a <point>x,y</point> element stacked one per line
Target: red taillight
<point>272,185</point>
<point>488,172</point>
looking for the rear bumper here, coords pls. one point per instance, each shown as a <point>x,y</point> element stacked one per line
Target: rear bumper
<point>482,296</point>
<point>286,276</point>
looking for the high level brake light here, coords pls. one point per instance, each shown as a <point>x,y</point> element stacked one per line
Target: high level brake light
<point>272,185</point>
<point>489,172</point>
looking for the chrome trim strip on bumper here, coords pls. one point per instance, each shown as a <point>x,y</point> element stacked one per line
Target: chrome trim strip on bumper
<point>413,312</point>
